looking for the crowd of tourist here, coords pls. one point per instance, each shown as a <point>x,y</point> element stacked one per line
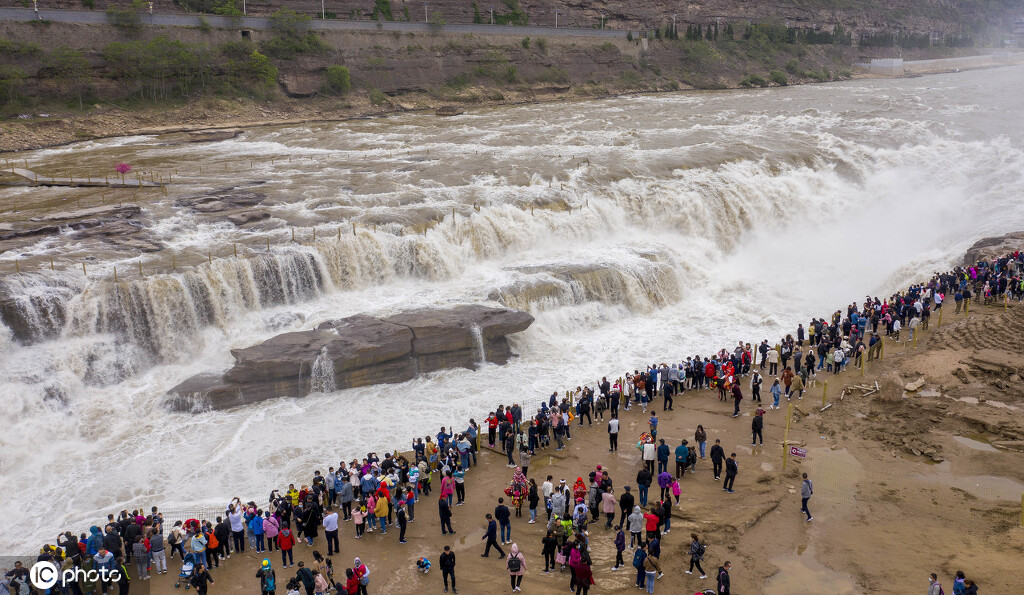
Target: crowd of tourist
<point>382,494</point>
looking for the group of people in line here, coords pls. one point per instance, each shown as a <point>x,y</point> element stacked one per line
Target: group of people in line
<point>377,494</point>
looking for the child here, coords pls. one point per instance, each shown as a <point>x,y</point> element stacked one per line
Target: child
<point>293,587</point>
<point>423,565</point>
<point>358,517</point>
<point>676,490</point>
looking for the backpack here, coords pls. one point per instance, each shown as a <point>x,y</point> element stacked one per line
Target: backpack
<point>941,592</point>
<point>268,581</point>
<point>211,541</point>
<point>638,558</point>
<point>514,564</point>
<point>700,550</point>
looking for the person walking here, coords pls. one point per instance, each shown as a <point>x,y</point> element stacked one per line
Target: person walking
<point>723,578</point>
<point>330,532</point>
<point>731,469</point>
<point>934,586</point>
<point>200,578</point>
<point>806,490</point>
<point>447,563</point>
<point>491,535</point>
<point>717,456</point>
<point>737,396</point>
<point>516,565</point>
<point>776,391</point>
<point>757,428</point>
<point>697,550</point>
<point>613,433</point>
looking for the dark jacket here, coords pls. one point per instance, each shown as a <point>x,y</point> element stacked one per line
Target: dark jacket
<point>501,513</point>
<point>717,453</point>
<point>447,561</point>
<point>492,530</point>
<point>443,509</point>
<point>627,501</point>
<point>731,468</point>
<point>643,477</point>
<point>306,576</point>
<point>723,581</point>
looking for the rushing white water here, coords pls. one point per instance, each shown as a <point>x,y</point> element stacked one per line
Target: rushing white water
<point>321,377</point>
<point>478,338</point>
<point>634,229</point>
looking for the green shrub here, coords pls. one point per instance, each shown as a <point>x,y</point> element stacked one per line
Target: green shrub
<point>525,43</point>
<point>542,45</point>
<point>90,4</point>
<point>607,47</point>
<point>382,8</point>
<point>753,80</point>
<point>377,97</point>
<point>778,77</point>
<point>11,80</point>
<point>204,25</point>
<point>221,7</point>
<point>16,48</point>
<point>629,36</point>
<point>793,66</point>
<point>337,80</point>
<point>510,75</point>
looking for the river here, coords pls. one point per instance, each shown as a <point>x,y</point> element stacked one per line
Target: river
<point>635,229</point>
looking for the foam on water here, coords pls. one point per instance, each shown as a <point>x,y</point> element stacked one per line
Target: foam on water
<point>696,220</point>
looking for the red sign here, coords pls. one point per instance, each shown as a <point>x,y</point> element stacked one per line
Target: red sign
<point>797,452</point>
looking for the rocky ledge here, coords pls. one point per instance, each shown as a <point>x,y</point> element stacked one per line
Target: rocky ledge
<point>356,351</point>
<point>995,247</point>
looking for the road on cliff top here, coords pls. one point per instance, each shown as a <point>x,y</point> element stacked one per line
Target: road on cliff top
<point>180,20</point>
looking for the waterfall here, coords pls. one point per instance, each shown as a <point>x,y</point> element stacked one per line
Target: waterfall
<point>478,338</point>
<point>321,379</point>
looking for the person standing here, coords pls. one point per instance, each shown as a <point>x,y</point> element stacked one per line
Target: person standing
<point>717,455</point>
<point>731,469</point>
<point>331,532</point>
<point>516,565</point>
<point>806,490</point>
<point>445,512</point>
<point>755,387</point>
<point>757,428</point>
<point>696,555</point>
<point>682,456</point>
<point>491,535</point>
<point>652,570</point>
<point>503,515</point>
<point>447,563</point>
<point>663,452</point>
<point>620,546</point>
<point>285,543</point>
<point>701,438</point>
<point>643,482</point>
<point>402,520</point>
<point>613,433</point>
<point>737,396</point>
<point>723,578</point>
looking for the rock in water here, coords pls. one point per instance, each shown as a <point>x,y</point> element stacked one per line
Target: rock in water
<point>364,350</point>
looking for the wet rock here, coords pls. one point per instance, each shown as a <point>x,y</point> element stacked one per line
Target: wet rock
<point>989,248</point>
<point>207,136</point>
<point>80,219</point>
<point>363,350</point>
<point>248,217</point>
<point>912,387</point>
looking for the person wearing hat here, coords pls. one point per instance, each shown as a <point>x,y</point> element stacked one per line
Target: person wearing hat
<point>267,578</point>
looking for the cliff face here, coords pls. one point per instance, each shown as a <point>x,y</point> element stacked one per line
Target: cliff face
<point>924,16</point>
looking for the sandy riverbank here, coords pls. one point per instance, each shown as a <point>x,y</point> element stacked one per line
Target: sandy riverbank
<point>884,517</point>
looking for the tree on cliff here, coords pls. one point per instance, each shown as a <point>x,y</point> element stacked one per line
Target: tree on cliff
<point>70,71</point>
<point>11,79</point>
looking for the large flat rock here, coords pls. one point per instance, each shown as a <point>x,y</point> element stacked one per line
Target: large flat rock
<point>357,351</point>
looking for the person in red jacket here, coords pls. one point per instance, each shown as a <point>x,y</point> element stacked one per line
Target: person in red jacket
<point>285,542</point>
<point>351,583</point>
<point>653,520</point>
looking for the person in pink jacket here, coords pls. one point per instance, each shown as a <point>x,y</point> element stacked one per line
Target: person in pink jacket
<point>359,519</point>
<point>271,527</point>
<point>516,565</point>
<point>608,505</point>
<point>448,487</point>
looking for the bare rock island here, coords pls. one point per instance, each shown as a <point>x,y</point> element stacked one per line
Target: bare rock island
<point>356,351</point>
